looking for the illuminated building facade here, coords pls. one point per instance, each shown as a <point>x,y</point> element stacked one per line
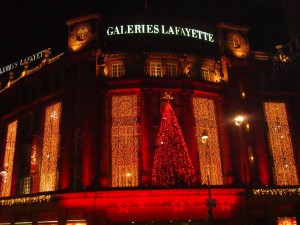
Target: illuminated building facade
<point>134,123</point>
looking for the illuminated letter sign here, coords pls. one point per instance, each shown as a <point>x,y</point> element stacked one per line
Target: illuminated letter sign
<point>16,64</point>
<point>160,29</point>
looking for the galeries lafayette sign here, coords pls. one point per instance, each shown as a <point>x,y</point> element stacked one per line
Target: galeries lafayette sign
<point>159,29</point>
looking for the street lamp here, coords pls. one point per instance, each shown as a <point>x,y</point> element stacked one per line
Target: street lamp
<point>238,120</point>
<point>210,203</point>
<point>204,136</point>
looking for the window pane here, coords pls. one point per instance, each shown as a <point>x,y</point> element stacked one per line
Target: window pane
<point>117,70</point>
<point>205,74</point>
<point>155,69</point>
<point>27,185</point>
<point>171,69</point>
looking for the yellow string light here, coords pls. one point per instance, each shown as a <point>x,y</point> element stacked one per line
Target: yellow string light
<point>209,153</point>
<point>286,221</point>
<point>25,200</point>
<point>276,191</point>
<point>8,159</point>
<point>280,144</point>
<point>50,150</point>
<point>125,134</point>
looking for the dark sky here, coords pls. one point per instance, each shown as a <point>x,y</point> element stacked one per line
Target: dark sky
<point>28,26</point>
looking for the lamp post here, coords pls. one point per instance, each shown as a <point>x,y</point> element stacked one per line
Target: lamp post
<point>238,122</point>
<point>210,203</point>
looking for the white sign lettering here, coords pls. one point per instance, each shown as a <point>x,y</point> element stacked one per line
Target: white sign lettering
<point>16,64</point>
<point>160,29</point>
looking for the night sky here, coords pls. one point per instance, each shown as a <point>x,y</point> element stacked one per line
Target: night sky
<point>31,26</point>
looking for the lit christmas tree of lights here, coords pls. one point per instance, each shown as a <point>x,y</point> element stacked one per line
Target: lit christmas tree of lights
<point>172,164</point>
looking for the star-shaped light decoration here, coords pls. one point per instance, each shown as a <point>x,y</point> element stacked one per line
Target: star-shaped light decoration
<point>141,204</point>
<point>123,207</point>
<point>168,96</point>
<point>178,206</point>
<point>226,204</point>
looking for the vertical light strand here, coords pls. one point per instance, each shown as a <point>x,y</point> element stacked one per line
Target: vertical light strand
<point>50,150</point>
<point>9,159</point>
<point>280,144</point>
<point>125,134</point>
<point>209,153</point>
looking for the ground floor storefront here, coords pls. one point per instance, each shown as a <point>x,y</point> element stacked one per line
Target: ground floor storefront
<point>149,207</point>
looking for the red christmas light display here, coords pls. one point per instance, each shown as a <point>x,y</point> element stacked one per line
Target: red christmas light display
<point>172,164</point>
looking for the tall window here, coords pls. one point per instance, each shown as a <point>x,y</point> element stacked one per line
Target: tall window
<point>125,134</point>
<point>205,74</point>
<point>209,152</point>
<point>117,70</point>
<point>155,69</point>
<point>171,69</point>
<point>51,139</point>
<point>27,185</point>
<point>8,159</point>
<point>280,144</point>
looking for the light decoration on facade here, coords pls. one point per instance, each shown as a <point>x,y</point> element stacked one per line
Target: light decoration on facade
<point>25,200</point>
<point>125,135</point>
<point>286,221</point>
<point>172,164</point>
<point>209,154</point>
<point>8,158</point>
<point>76,223</point>
<point>276,191</point>
<point>50,150</point>
<point>280,144</point>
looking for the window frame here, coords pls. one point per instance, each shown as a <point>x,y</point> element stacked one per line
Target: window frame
<point>171,69</point>
<point>27,185</point>
<point>117,69</point>
<point>205,74</point>
<point>156,69</point>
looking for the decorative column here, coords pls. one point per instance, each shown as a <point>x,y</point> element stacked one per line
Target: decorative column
<point>147,147</point>
<point>261,160</point>
<point>188,129</point>
<point>68,124</point>
<point>224,142</point>
<point>104,140</point>
<point>224,62</point>
<point>88,122</point>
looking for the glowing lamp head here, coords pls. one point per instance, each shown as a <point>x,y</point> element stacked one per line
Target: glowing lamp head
<point>204,136</point>
<point>3,173</point>
<point>128,174</point>
<point>238,120</point>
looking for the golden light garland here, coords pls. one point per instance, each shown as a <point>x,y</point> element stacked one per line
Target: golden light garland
<point>276,191</point>
<point>286,221</point>
<point>209,153</point>
<point>50,150</point>
<point>125,135</point>
<point>8,159</point>
<point>25,200</point>
<point>280,144</point>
